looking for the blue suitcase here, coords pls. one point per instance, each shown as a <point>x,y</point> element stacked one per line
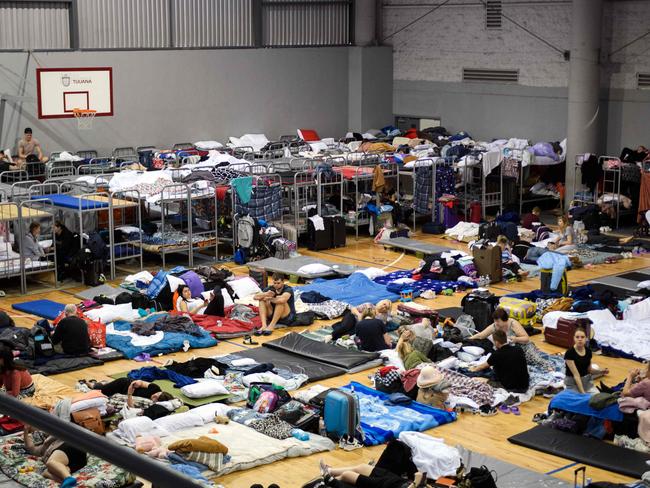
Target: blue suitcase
<point>341,414</point>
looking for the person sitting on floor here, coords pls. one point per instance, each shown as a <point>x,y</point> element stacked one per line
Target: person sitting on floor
<point>383,313</point>
<point>509,261</point>
<point>185,303</point>
<point>566,242</point>
<point>15,379</point>
<point>72,333</point>
<point>368,476</point>
<point>637,384</point>
<point>60,458</point>
<point>531,218</point>
<point>31,248</point>
<point>579,370</point>
<point>509,364</point>
<point>276,302</point>
<point>410,356</point>
<point>371,333</point>
<point>516,335</point>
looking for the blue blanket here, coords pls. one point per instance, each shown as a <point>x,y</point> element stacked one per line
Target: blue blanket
<point>355,289</point>
<point>171,342</point>
<point>572,401</point>
<point>420,285</point>
<point>382,422</point>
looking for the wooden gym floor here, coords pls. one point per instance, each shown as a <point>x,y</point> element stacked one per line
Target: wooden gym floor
<point>486,435</point>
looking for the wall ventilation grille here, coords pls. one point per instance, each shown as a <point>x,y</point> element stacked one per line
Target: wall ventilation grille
<point>493,17</point>
<point>491,75</point>
<point>643,80</point>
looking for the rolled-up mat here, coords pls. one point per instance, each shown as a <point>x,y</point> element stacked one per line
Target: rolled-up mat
<point>585,450</point>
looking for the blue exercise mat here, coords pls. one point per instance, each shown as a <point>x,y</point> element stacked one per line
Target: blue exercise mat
<point>42,308</point>
<point>68,201</point>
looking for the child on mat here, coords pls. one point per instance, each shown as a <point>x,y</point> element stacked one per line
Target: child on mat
<point>508,260</point>
<point>532,218</point>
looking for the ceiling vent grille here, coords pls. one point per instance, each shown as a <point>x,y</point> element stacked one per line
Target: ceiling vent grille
<point>491,75</point>
<point>643,80</point>
<point>493,14</point>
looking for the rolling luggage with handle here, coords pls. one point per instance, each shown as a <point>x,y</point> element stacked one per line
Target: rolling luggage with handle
<point>341,414</point>
<point>562,334</point>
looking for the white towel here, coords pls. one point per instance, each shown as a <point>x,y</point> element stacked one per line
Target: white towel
<point>317,220</point>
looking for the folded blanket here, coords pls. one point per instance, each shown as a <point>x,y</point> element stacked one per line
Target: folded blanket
<point>202,444</point>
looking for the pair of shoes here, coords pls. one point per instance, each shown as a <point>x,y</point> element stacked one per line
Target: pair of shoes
<point>348,443</point>
<point>506,409</point>
<point>248,340</point>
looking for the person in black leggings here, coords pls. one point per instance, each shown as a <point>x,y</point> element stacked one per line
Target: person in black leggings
<point>368,476</point>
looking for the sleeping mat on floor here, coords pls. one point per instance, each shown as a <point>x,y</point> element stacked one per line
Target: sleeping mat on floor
<point>314,370</point>
<point>68,201</point>
<point>585,450</point>
<point>414,245</point>
<point>41,308</point>
<point>355,289</point>
<point>339,357</point>
<point>382,422</point>
<point>59,364</point>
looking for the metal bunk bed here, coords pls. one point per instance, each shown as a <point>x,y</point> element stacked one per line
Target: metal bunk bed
<point>524,169</point>
<point>357,179</point>
<point>612,186</point>
<point>583,197</point>
<point>475,185</point>
<point>17,217</point>
<point>68,197</point>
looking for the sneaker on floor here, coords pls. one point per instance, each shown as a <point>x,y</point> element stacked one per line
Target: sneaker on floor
<point>69,482</point>
<point>487,411</point>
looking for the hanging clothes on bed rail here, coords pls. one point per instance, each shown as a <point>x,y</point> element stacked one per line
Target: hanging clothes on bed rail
<point>265,200</point>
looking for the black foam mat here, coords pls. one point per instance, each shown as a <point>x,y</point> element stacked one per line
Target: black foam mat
<point>585,450</point>
<point>450,312</point>
<point>635,276</point>
<point>298,365</point>
<point>619,292</point>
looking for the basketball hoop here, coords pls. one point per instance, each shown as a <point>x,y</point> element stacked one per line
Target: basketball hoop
<point>84,118</point>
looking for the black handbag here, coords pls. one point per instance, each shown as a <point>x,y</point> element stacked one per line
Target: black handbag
<point>480,478</point>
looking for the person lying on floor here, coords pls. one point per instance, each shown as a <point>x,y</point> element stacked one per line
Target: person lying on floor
<point>276,302</point>
<point>14,379</point>
<point>368,476</point>
<point>371,334</point>
<point>508,363</point>
<point>516,335</point>
<point>138,388</point>
<point>637,384</point>
<point>410,356</point>
<point>508,260</point>
<point>185,302</point>
<point>61,459</point>
<point>579,370</point>
<point>72,333</point>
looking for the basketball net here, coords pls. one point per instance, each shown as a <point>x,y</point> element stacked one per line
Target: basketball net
<point>84,118</point>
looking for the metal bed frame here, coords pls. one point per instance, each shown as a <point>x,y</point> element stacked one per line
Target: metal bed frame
<point>582,199</point>
<point>522,200</point>
<point>19,216</point>
<point>612,184</point>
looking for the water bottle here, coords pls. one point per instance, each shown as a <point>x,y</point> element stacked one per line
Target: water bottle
<point>300,434</point>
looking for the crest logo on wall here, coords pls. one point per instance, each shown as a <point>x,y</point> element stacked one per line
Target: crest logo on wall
<point>65,80</point>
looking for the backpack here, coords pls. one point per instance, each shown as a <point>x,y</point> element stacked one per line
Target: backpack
<point>248,232</point>
<point>478,478</point>
<point>40,342</point>
<point>90,419</point>
<point>341,414</point>
<point>267,402</point>
<point>255,391</point>
<point>542,232</point>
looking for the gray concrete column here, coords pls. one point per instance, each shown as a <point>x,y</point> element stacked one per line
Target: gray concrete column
<point>583,117</point>
<point>365,12</point>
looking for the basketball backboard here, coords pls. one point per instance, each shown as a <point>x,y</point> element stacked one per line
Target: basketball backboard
<point>61,90</point>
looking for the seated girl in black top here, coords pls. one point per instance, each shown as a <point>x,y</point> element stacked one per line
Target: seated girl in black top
<point>578,364</point>
<point>371,332</point>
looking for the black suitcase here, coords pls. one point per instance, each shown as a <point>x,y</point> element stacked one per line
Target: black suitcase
<point>480,308</point>
<point>338,230</point>
<point>319,240</point>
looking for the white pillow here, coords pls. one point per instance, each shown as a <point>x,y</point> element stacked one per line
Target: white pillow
<point>474,350</point>
<point>99,402</point>
<point>373,273</point>
<point>179,421</point>
<point>131,428</point>
<point>128,229</point>
<point>314,268</point>
<point>204,388</point>
<point>110,313</point>
<point>244,287</point>
<point>207,412</point>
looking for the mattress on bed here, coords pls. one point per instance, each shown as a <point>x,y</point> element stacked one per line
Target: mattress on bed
<point>248,448</point>
<point>97,473</point>
<point>69,201</point>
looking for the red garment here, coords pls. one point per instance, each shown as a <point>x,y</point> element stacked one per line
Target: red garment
<point>221,192</point>
<point>229,327</point>
<point>385,370</point>
<point>527,221</point>
<point>412,133</point>
<point>410,378</point>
